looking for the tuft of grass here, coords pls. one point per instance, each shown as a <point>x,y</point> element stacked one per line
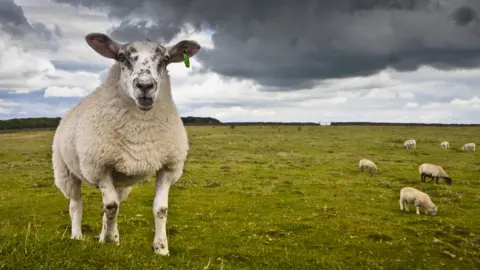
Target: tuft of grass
<point>251,199</point>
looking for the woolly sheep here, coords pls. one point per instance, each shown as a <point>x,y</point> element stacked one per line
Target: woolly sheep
<point>410,195</point>
<point>469,147</point>
<point>445,145</point>
<point>410,144</point>
<point>434,172</point>
<point>125,131</point>
<point>365,163</point>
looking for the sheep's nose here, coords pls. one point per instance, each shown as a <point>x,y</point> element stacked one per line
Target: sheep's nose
<point>144,85</point>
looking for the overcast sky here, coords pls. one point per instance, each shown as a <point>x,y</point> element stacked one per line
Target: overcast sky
<point>262,60</point>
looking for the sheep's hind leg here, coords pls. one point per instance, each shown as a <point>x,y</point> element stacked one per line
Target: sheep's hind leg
<point>111,205</point>
<point>164,179</point>
<point>76,210</point>
<point>70,186</point>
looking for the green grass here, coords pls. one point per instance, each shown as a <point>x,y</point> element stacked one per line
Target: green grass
<point>258,198</point>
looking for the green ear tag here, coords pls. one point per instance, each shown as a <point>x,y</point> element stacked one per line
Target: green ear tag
<point>186,60</point>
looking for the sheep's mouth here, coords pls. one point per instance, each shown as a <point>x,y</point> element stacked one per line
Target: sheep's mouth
<point>145,103</point>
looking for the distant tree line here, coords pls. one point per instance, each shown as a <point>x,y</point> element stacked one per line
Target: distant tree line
<point>270,123</point>
<point>29,123</point>
<point>51,123</point>
<point>192,120</point>
<point>395,124</point>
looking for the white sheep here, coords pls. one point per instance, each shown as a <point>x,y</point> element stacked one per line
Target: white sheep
<point>125,131</point>
<point>433,171</point>
<point>469,147</point>
<point>410,195</point>
<point>410,144</point>
<point>445,145</point>
<point>370,165</point>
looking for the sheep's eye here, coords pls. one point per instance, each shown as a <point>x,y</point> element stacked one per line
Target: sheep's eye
<point>121,57</point>
<point>166,58</point>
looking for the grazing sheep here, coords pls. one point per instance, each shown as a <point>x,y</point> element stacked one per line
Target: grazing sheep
<point>410,195</point>
<point>469,147</point>
<point>125,131</point>
<point>445,145</point>
<point>434,172</point>
<point>365,163</point>
<point>410,144</point>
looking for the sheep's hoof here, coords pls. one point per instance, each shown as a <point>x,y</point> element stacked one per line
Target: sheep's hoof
<point>77,237</point>
<point>109,239</point>
<point>160,250</point>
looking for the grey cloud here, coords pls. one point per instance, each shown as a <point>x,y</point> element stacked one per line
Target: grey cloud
<point>464,15</point>
<point>11,13</point>
<point>78,66</point>
<point>285,45</point>
<point>128,31</point>
<point>33,104</point>
<point>14,23</point>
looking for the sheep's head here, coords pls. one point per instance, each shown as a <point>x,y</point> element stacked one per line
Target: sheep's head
<point>432,211</point>
<point>143,64</point>
<point>448,180</point>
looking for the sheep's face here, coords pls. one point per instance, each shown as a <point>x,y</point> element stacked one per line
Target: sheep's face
<point>432,211</point>
<point>448,180</point>
<point>143,65</point>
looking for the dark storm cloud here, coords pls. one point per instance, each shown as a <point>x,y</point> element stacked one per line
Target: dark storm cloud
<point>288,44</point>
<point>14,23</point>
<point>464,15</point>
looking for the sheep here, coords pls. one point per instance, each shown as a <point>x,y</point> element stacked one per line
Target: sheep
<point>469,147</point>
<point>409,195</point>
<point>445,145</point>
<point>434,172</point>
<point>122,133</point>
<point>410,144</point>
<point>365,163</point>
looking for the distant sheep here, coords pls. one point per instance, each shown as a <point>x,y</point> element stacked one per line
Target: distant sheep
<point>410,144</point>
<point>445,145</point>
<point>434,172</point>
<point>469,147</point>
<point>410,195</point>
<point>370,165</point>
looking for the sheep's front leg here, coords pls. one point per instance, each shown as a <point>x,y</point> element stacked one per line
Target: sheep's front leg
<point>164,179</point>
<point>431,178</point>
<point>417,205</point>
<point>111,205</point>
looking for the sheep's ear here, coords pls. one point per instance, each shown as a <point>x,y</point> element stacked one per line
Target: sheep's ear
<point>176,51</point>
<point>103,45</point>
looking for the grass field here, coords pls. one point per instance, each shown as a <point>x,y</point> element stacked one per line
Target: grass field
<point>259,198</point>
